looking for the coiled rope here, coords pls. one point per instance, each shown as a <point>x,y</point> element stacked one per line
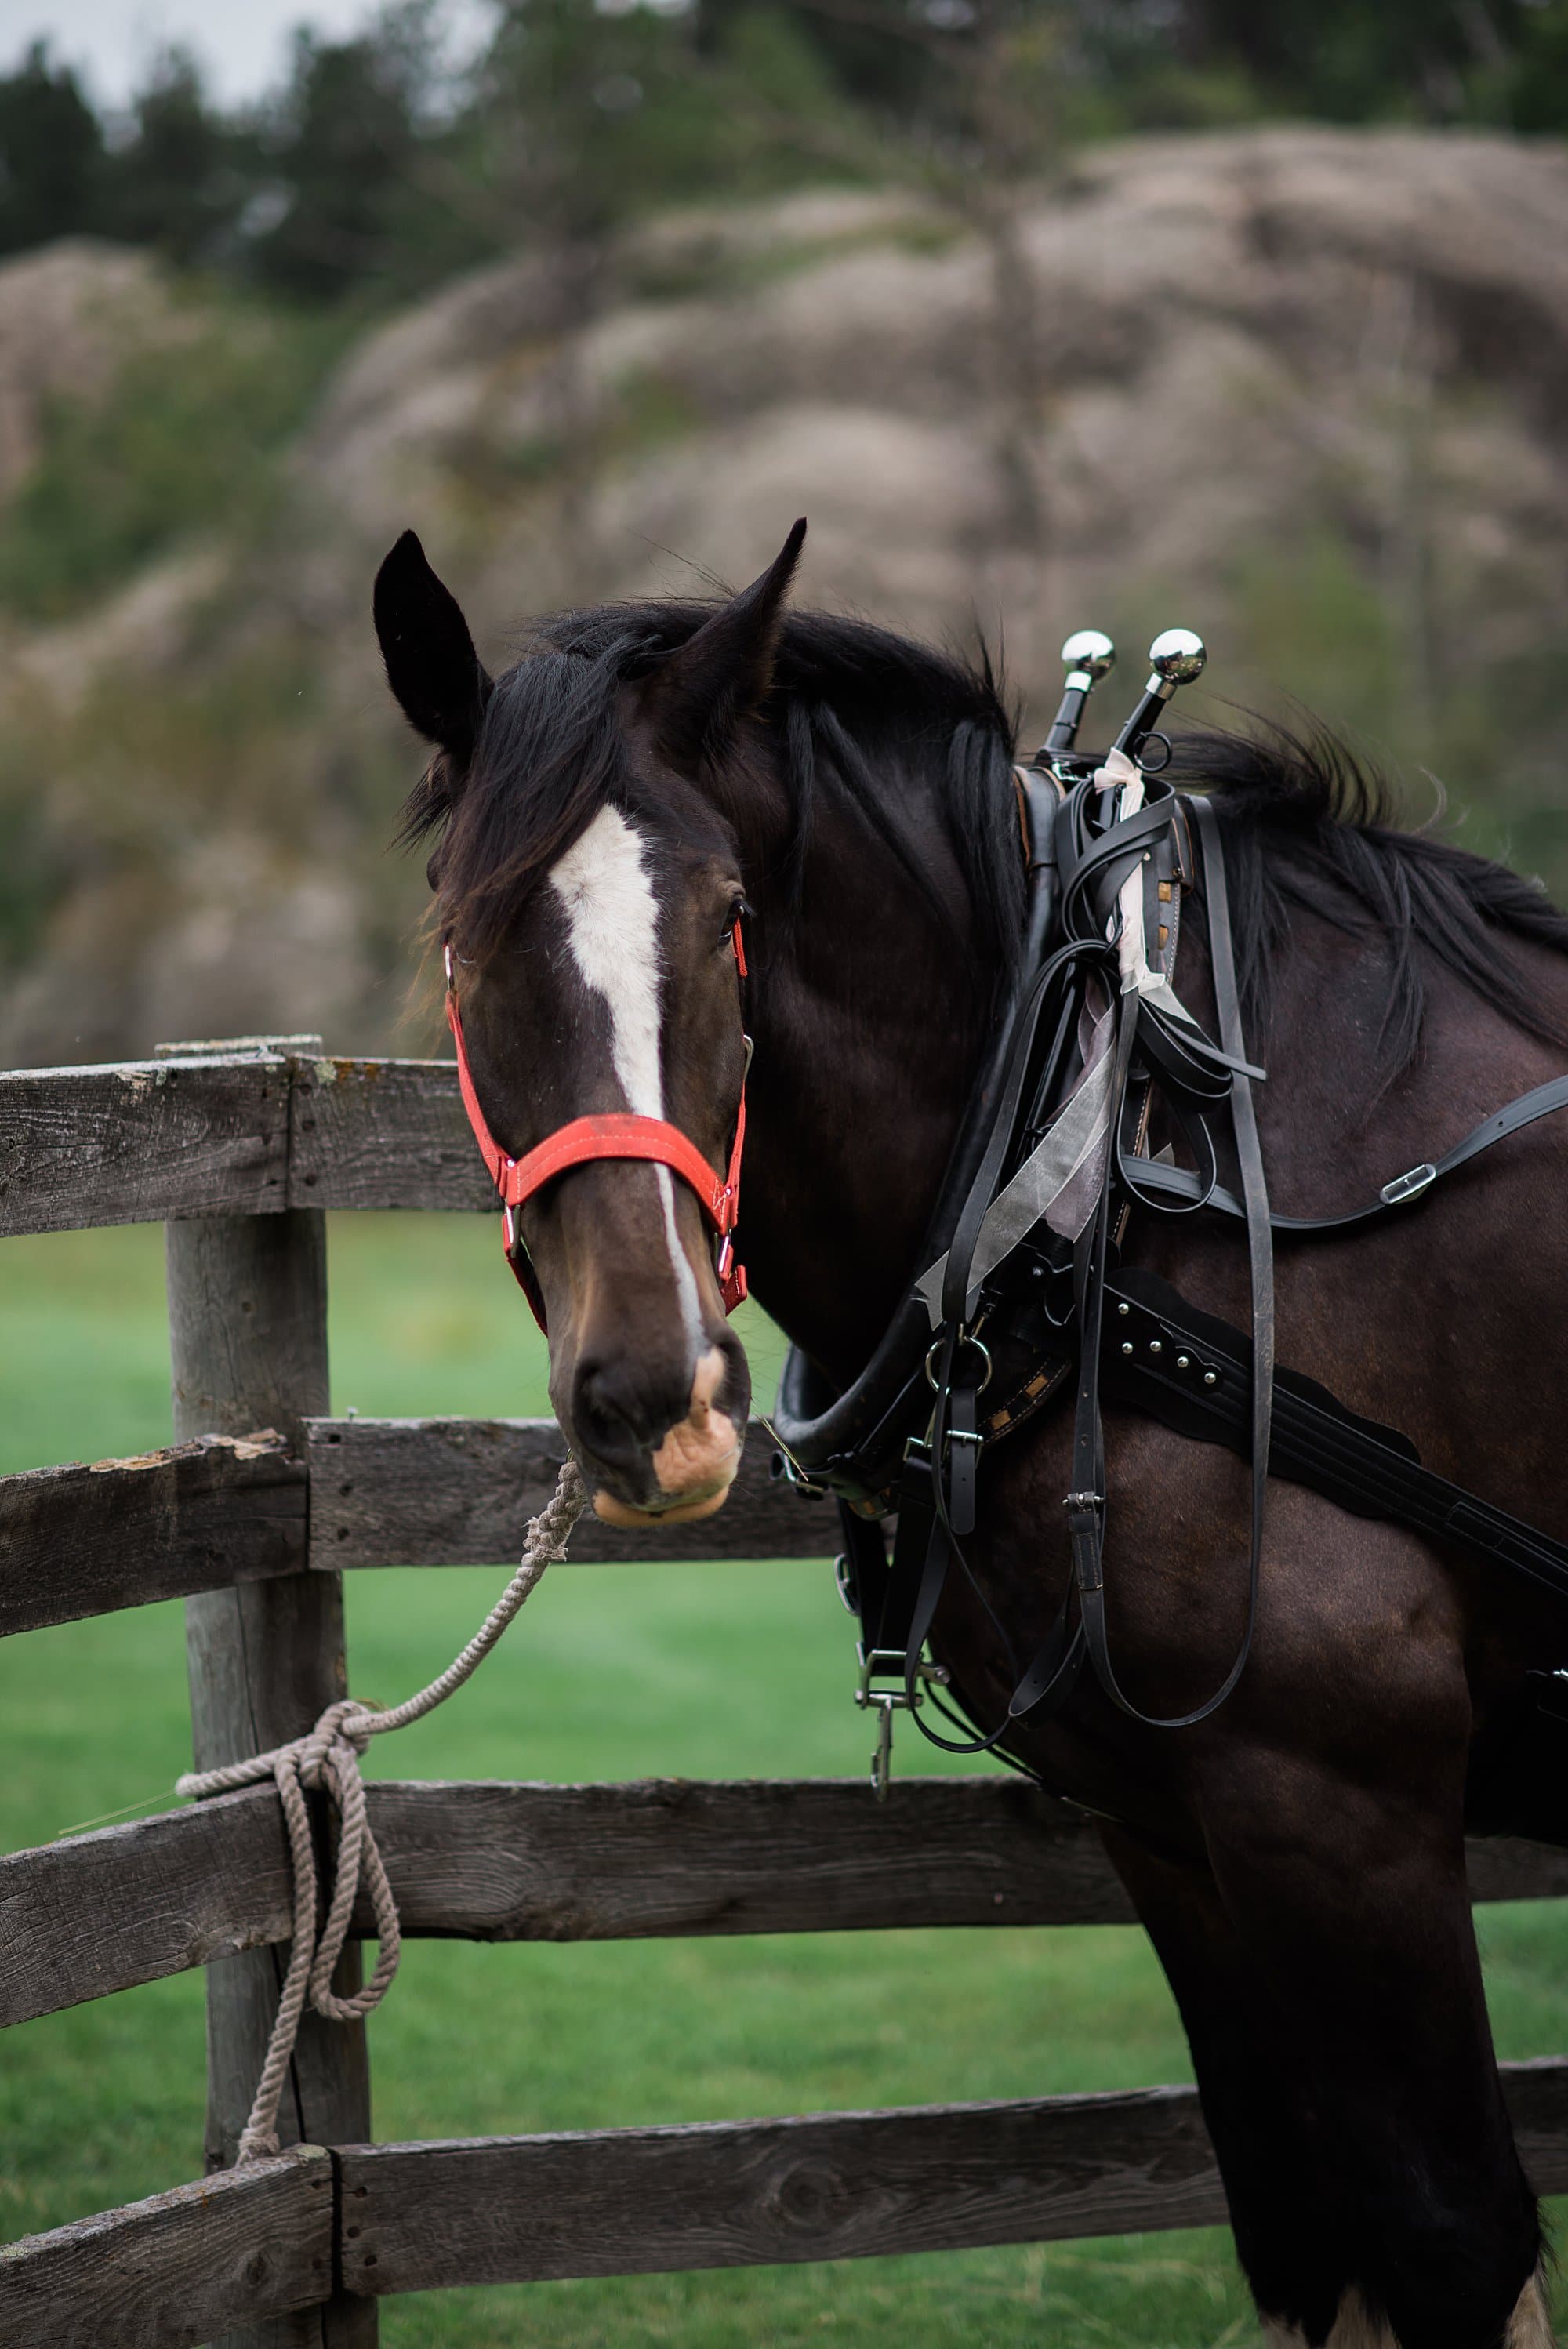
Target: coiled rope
<point>328,1758</point>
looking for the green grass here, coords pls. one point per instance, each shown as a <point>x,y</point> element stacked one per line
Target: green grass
<point>613,1672</point>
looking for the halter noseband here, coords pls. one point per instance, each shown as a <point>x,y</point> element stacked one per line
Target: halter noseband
<point>610,1133</point>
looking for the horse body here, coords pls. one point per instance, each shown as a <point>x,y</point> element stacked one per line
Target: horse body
<point>1298,1857</point>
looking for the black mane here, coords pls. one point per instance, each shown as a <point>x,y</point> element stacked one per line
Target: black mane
<point>853,710</point>
<point>866,713</point>
<point>1308,823</point>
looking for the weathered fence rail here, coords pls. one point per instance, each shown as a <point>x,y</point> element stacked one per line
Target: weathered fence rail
<point>246,1130</point>
<point>494,1861</point>
<point>219,1511</point>
<point>252,1518</point>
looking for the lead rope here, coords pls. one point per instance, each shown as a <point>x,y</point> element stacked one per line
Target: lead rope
<point>328,1757</point>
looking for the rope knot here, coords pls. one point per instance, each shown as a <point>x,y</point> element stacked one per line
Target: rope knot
<point>335,1745</point>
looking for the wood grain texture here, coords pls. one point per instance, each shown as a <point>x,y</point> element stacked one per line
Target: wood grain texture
<point>455,1492</point>
<point>826,2187</point>
<point>496,1862</point>
<point>383,1133</point>
<point>257,2244</point>
<point>671,1856</point>
<point>829,2185</point>
<point>491,1861</point>
<point>247,1322</point>
<point>81,1540</point>
<point>182,1889</point>
<point>181,2268</point>
<point>140,1140</point>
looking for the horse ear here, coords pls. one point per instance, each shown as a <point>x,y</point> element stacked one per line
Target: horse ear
<point>440,681</point>
<point>701,691</point>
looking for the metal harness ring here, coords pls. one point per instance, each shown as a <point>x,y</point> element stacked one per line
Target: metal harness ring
<point>964,1340</point>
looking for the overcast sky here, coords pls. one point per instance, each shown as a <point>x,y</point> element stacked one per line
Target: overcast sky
<point>242,44</point>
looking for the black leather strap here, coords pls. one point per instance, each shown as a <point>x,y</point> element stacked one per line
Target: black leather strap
<point>1180,1187</point>
<point>1086,1503</point>
<point>1192,1372</point>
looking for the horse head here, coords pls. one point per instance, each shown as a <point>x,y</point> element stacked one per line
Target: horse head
<point>589,888</point>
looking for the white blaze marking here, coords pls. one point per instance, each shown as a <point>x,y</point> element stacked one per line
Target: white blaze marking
<point>613,923</point>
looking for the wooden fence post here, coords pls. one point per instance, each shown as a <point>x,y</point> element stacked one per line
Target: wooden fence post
<point>247,1324</point>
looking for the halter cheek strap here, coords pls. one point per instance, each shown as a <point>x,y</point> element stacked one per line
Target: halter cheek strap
<point>612,1133</point>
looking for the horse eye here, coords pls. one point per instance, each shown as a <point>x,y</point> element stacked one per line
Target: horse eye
<point>740,911</point>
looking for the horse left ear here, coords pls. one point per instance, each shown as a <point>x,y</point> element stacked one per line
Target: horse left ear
<point>441,682</point>
<point>700,692</point>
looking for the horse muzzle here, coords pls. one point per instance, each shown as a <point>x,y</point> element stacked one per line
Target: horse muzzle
<point>653,1462</point>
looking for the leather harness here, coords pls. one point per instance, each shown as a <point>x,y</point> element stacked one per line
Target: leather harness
<point>1110,851</point>
<point>903,1442</point>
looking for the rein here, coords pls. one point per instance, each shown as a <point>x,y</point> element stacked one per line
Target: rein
<point>608,1133</point>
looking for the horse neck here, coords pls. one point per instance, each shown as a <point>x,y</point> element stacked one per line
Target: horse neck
<point>869,1015</point>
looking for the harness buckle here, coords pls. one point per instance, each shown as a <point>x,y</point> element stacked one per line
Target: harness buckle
<point>884,1702</point>
<point>1408,1186</point>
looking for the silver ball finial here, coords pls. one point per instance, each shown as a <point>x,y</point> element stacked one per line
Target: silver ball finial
<point>1089,653</point>
<point>1177,656</point>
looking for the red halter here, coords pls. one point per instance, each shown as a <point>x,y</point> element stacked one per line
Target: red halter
<point>612,1133</point>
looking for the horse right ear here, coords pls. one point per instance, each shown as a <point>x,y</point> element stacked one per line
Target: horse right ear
<point>440,681</point>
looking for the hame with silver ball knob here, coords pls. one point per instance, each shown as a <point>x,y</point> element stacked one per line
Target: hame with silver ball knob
<point>1175,658</point>
<point>1090,654</point>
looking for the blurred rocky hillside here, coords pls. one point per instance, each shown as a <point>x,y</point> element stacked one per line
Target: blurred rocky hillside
<point>1304,389</point>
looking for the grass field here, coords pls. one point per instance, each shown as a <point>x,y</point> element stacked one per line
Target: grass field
<point>717,1670</point>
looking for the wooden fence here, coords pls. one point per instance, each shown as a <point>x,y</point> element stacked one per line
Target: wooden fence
<point>252,1515</point>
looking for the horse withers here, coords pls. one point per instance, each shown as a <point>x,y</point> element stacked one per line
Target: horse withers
<point>648,775</point>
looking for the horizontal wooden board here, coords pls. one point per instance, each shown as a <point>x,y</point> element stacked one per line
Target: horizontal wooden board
<point>180,1889</point>
<point>383,1133</point>
<point>831,2186</point>
<point>498,1862</point>
<point>492,1861</point>
<point>181,2268</point>
<point>240,2246</point>
<point>195,1516</point>
<point>140,1141</point>
<point>456,1492</point>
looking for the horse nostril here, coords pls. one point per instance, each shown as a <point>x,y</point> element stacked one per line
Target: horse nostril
<point>608,1411</point>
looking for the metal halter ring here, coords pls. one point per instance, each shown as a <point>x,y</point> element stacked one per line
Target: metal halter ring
<point>964,1340</point>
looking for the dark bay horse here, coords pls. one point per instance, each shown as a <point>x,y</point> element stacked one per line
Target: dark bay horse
<point>602,815</point>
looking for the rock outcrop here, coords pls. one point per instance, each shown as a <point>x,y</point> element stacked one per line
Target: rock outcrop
<point>1304,389</point>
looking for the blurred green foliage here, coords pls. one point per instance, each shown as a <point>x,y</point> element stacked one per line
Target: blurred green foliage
<point>376,169</point>
<point>181,438</point>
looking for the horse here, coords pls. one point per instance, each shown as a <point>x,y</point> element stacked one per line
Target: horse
<point>651,779</point>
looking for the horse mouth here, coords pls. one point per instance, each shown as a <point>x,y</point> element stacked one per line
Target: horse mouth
<point>691,1469</point>
<point>678,1509</point>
